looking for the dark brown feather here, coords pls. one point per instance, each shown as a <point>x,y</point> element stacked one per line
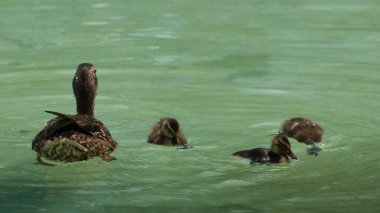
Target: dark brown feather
<point>94,137</point>
<point>303,130</point>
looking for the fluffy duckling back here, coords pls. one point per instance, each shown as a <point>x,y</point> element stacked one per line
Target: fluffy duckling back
<point>279,152</point>
<point>167,132</point>
<point>76,137</point>
<point>303,130</point>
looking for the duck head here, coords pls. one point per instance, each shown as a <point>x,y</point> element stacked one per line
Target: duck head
<point>281,146</point>
<point>85,85</point>
<point>170,128</point>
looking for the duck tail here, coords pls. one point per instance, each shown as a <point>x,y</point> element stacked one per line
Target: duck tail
<point>65,150</point>
<point>244,153</point>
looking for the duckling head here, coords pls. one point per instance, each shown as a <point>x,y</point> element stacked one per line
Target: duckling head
<point>281,146</point>
<point>170,128</point>
<point>85,85</point>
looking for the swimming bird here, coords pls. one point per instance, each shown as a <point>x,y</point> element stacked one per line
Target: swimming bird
<point>279,152</point>
<point>167,132</point>
<point>303,130</point>
<point>76,137</point>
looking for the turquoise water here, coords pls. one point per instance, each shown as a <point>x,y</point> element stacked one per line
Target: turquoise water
<point>230,71</point>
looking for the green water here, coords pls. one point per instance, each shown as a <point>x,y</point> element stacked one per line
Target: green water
<point>230,71</point>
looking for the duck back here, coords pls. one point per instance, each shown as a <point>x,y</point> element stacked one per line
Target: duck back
<point>302,130</point>
<point>73,138</point>
<point>262,155</point>
<point>258,155</point>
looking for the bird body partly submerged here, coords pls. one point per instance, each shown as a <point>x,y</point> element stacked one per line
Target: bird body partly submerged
<point>76,137</point>
<point>262,155</point>
<point>279,153</point>
<point>73,138</point>
<point>167,132</point>
<point>303,130</point>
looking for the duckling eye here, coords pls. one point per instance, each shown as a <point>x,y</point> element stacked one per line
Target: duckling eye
<point>284,146</point>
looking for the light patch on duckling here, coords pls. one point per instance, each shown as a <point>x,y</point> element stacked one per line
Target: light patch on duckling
<point>167,130</point>
<point>294,125</point>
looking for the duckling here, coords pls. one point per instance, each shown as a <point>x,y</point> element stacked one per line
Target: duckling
<point>304,131</point>
<point>279,153</point>
<point>167,132</point>
<point>76,137</point>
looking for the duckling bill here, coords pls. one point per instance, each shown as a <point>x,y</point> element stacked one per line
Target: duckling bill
<point>279,152</point>
<point>76,137</point>
<point>167,132</point>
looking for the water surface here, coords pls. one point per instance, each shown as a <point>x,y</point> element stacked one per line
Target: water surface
<point>230,71</point>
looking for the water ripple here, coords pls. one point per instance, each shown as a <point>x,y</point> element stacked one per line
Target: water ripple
<point>234,183</point>
<point>95,23</point>
<point>154,32</point>
<point>100,5</point>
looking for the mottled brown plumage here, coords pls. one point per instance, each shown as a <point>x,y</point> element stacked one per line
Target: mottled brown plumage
<point>76,137</point>
<point>167,132</point>
<point>279,153</point>
<point>303,130</point>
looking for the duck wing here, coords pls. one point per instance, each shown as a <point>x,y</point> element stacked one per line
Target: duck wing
<point>88,125</point>
<point>52,126</point>
<point>83,122</point>
<point>56,125</point>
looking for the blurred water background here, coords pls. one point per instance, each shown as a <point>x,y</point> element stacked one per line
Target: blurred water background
<point>230,71</point>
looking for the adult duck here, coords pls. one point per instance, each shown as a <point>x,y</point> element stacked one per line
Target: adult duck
<point>76,137</point>
<point>167,132</point>
<point>279,152</point>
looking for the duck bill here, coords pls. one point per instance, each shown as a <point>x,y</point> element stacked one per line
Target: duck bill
<point>290,154</point>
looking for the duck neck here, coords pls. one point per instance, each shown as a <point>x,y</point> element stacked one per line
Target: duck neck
<point>85,85</point>
<point>85,92</point>
<point>85,105</point>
